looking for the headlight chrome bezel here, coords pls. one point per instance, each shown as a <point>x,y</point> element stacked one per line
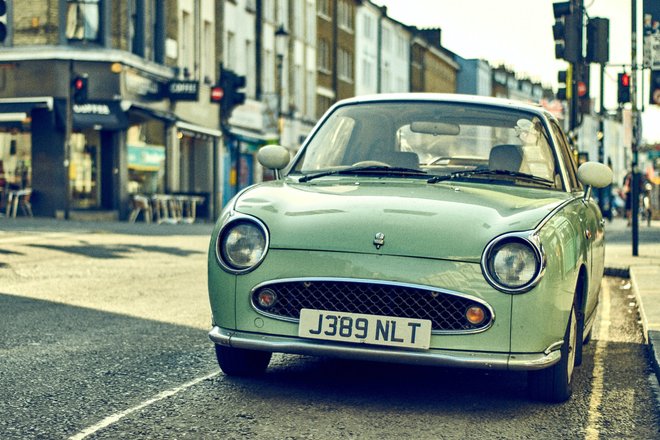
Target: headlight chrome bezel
<point>529,239</point>
<point>233,222</point>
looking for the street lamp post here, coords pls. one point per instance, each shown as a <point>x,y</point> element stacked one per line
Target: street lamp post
<point>281,39</point>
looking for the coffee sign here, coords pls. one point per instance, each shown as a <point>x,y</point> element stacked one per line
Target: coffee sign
<point>183,90</point>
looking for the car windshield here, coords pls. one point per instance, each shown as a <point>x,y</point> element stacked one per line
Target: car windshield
<point>432,140</point>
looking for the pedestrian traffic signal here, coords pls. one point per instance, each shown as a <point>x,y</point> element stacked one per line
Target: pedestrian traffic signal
<point>79,89</point>
<point>231,96</point>
<point>567,32</point>
<point>3,21</point>
<point>623,90</point>
<point>598,40</point>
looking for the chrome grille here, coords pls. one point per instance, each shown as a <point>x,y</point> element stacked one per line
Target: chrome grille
<point>445,310</point>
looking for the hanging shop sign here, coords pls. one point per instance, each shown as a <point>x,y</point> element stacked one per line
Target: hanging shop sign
<point>183,90</point>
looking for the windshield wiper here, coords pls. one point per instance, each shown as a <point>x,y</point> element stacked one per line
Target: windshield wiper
<point>482,172</point>
<point>370,169</point>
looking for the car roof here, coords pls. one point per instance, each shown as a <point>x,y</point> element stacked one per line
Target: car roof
<point>449,98</point>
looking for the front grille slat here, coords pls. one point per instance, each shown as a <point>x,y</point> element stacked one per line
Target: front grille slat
<point>446,310</point>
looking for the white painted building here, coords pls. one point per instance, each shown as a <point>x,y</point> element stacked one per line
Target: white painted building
<point>382,52</point>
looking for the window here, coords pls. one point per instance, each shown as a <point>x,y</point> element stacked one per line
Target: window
<point>366,73</point>
<point>230,51</point>
<point>311,95</point>
<point>269,10</point>
<point>345,15</point>
<point>299,87</point>
<point>368,27</point>
<point>323,7</point>
<point>187,44</point>
<point>567,155</point>
<point>208,51</point>
<point>323,55</point>
<point>387,40</point>
<point>83,20</point>
<point>345,65</point>
<point>298,18</point>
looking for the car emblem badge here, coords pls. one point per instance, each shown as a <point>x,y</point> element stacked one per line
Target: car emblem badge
<point>379,240</point>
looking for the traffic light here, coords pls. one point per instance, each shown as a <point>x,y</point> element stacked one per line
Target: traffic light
<point>623,89</point>
<point>567,32</point>
<point>598,40</point>
<point>230,94</point>
<point>3,21</point>
<point>655,87</point>
<point>79,89</point>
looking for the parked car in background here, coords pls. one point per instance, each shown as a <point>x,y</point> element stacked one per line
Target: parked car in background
<point>415,228</point>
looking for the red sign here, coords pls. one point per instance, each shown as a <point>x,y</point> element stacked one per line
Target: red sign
<point>216,94</point>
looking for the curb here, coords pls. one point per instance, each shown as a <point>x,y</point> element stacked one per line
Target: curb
<point>654,351</point>
<point>651,337</point>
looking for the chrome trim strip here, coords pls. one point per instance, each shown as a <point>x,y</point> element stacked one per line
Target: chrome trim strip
<point>234,218</point>
<point>553,347</point>
<point>551,214</point>
<point>435,357</point>
<point>382,282</point>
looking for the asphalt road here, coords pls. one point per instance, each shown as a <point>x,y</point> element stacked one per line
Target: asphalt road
<point>103,336</point>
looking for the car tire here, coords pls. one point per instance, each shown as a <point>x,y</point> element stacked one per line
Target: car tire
<point>241,362</point>
<point>554,384</point>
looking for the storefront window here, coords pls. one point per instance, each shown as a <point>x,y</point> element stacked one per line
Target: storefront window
<point>84,170</point>
<point>82,20</point>
<point>15,161</point>
<point>146,159</point>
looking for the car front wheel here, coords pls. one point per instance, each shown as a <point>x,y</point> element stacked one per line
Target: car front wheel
<point>554,384</point>
<point>241,362</point>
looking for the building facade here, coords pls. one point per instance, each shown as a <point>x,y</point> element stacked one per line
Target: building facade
<point>101,100</point>
<point>432,67</point>
<point>474,77</point>
<point>335,52</point>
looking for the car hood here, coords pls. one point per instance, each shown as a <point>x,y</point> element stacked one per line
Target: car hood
<point>445,221</point>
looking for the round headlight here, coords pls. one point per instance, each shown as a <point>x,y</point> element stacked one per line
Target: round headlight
<point>242,245</point>
<point>512,265</point>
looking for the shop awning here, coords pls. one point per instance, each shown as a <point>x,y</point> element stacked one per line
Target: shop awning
<point>17,110</point>
<point>100,115</point>
<point>196,130</point>
<point>253,138</point>
<point>151,113</point>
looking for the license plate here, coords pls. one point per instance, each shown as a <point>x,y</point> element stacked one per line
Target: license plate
<point>365,329</point>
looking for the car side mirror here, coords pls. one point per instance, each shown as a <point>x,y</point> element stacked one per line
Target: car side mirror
<point>594,175</point>
<point>273,157</point>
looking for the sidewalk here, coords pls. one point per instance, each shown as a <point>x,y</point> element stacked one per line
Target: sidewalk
<point>644,273</point>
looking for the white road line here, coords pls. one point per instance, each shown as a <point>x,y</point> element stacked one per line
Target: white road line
<point>593,425</point>
<point>114,418</point>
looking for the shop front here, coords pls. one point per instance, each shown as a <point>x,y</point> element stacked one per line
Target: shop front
<point>88,159</point>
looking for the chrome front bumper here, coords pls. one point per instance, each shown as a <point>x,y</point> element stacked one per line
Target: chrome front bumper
<point>445,358</point>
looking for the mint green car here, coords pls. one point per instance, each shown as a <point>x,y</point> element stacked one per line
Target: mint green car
<point>416,228</point>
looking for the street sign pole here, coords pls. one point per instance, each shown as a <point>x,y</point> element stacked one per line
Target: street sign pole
<point>635,178</point>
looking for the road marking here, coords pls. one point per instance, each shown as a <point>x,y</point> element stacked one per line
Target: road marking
<point>114,418</point>
<point>593,425</point>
